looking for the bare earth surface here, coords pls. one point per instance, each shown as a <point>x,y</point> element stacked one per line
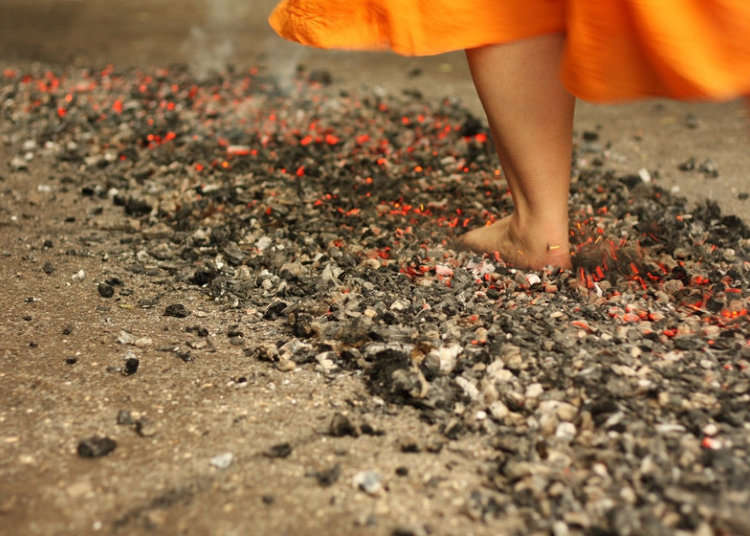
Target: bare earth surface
<point>60,362</point>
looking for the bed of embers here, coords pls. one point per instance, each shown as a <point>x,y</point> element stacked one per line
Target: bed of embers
<point>615,394</point>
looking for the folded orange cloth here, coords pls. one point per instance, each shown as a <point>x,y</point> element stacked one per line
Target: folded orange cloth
<point>616,49</point>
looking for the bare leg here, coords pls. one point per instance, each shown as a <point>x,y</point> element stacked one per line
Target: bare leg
<point>530,115</point>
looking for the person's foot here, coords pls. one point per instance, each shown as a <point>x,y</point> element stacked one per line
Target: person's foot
<point>515,249</point>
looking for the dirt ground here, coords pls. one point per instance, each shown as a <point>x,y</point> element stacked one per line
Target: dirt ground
<point>60,380</point>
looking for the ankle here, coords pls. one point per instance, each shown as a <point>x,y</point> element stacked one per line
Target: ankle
<point>541,236</point>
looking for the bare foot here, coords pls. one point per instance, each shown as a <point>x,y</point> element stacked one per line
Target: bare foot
<point>515,250</point>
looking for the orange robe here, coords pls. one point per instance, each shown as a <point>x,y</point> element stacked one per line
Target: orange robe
<point>615,49</point>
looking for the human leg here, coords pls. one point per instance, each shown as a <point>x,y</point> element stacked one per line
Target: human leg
<point>530,114</point>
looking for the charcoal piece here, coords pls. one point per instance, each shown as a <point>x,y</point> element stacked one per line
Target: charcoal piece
<point>220,235</point>
<point>410,445</point>
<point>471,126</point>
<point>368,429</point>
<point>452,429</point>
<point>136,207</point>
<point>392,377</point>
<point>234,332</point>
<point>679,273</point>
<point>709,169</point>
<point>631,181</point>
<point>274,310</point>
<point>183,354</point>
<point>687,165</point>
<point>301,324</point>
<point>176,310</point>
<point>96,447</point>
<point>328,477</point>
<point>124,418</point>
<point>735,223</point>
<point>145,428</point>
<point>131,366</point>
<point>601,409</point>
<point>198,330</point>
<point>105,290</point>
<point>590,135</point>
<point>714,305</point>
<point>281,450</point>
<point>341,426</point>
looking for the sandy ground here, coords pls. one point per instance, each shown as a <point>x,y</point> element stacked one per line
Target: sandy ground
<point>162,481</point>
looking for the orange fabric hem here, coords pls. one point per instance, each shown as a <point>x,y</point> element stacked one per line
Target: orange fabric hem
<point>410,28</point>
<point>616,50</point>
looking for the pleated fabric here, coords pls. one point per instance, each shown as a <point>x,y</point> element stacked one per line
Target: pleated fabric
<point>615,49</point>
